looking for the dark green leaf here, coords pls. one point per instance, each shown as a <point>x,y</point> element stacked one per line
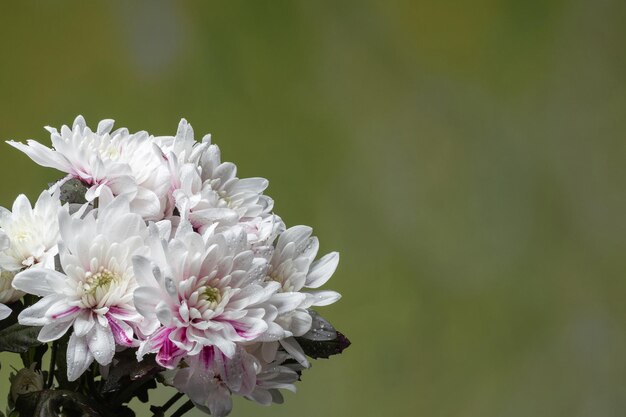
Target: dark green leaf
<point>157,411</point>
<point>127,369</point>
<point>325,348</point>
<point>17,307</point>
<point>50,403</point>
<point>18,339</point>
<point>60,371</point>
<point>73,192</point>
<point>322,340</point>
<point>321,329</point>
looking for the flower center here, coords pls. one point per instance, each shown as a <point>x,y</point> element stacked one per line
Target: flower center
<point>110,152</point>
<point>6,278</point>
<point>102,278</point>
<point>21,237</point>
<point>7,293</point>
<point>282,275</point>
<point>211,296</point>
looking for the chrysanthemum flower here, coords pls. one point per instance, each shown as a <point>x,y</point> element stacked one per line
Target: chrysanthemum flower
<point>245,196</point>
<point>205,291</point>
<point>129,164</point>
<point>171,254</point>
<point>32,232</point>
<point>4,280</point>
<point>282,372</point>
<point>211,193</point>
<point>210,379</point>
<point>292,265</point>
<point>182,154</point>
<point>94,294</point>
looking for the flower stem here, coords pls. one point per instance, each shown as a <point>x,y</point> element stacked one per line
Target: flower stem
<point>183,409</point>
<point>171,401</point>
<point>53,359</point>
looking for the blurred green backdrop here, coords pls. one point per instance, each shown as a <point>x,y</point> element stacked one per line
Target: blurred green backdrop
<point>467,158</point>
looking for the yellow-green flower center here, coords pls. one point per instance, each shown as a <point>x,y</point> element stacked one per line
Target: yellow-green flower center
<point>212,295</point>
<point>102,278</point>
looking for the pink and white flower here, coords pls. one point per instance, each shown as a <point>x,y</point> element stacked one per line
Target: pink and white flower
<point>211,378</point>
<point>205,291</point>
<point>279,373</point>
<point>94,293</point>
<point>6,291</point>
<point>211,193</point>
<point>173,255</point>
<point>182,154</point>
<point>292,265</point>
<point>32,233</point>
<point>129,164</point>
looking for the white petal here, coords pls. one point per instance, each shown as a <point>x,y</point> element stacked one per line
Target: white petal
<point>4,312</point>
<point>261,396</point>
<point>293,348</point>
<point>287,301</point>
<point>4,240</point>
<point>35,315</point>
<point>322,298</point>
<point>84,323</point>
<point>164,314</point>
<point>43,156</point>
<point>143,269</point>
<point>53,331</point>
<point>322,270</point>
<point>101,344</point>
<point>295,234</point>
<point>219,401</point>
<point>146,300</point>
<point>39,281</point>
<point>105,126</point>
<point>78,357</point>
<point>268,351</point>
<point>79,122</point>
<point>300,323</point>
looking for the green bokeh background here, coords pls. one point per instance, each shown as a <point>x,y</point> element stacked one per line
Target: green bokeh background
<point>467,158</point>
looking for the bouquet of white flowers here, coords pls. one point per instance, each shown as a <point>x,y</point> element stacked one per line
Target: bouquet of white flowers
<point>151,261</point>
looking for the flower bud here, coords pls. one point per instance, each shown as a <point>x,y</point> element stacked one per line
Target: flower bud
<point>25,381</point>
<point>8,294</point>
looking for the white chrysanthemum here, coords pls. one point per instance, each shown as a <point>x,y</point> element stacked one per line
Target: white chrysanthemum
<point>8,294</point>
<point>210,379</point>
<point>280,373</point>
<point>245,196</point>
<point>94,295</point>
<point>129,164</point>
<point>205,291</point>
<point>33,233</point>
<point>25,381</point>
<point>181,152</point>
<point>292,266</point>
<point>4,310</point>
<point>262,231</point>
<point>212,193</point>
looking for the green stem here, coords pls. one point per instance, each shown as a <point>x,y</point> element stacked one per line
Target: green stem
<point>91,386</point>
<point>183,409</point>
<point>127,393</point>
<point>53,360</point>
<point>171,401</point>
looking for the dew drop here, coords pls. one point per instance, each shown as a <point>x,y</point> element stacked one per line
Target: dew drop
<point>170,286</point>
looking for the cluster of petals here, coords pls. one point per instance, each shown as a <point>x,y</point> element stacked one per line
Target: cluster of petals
<point>172,254</point>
